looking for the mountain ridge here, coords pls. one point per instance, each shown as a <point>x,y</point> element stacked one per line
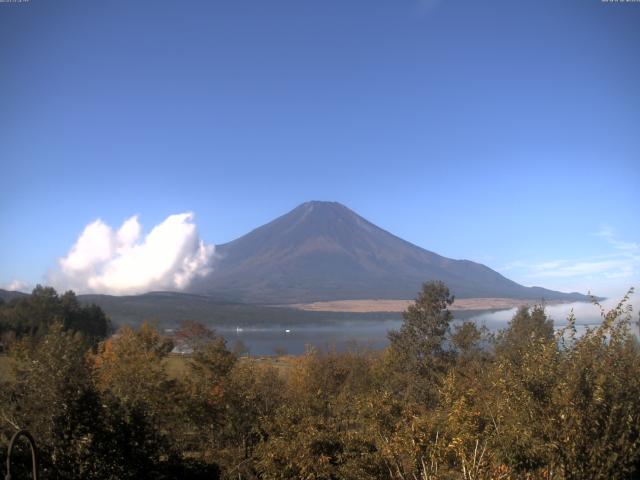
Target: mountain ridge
<point>322,251</point>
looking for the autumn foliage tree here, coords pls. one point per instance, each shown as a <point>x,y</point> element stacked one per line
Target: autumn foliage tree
<point>445,400</point>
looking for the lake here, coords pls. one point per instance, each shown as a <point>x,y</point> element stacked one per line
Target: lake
<point>295,339</point>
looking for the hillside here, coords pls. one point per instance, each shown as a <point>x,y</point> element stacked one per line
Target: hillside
<point>7,295</point>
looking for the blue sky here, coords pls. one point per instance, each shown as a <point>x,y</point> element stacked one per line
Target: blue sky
<point>499,131</point>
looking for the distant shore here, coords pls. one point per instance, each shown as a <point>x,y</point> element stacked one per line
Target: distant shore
<point>379,305</point>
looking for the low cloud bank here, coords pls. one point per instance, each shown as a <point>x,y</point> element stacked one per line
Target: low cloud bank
<point>609,274</point>
<point>123,261</point>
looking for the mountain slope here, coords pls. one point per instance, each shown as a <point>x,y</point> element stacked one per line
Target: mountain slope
<point>324,251</point>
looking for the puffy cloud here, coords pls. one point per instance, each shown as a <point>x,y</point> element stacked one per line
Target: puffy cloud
<point>122,261</point>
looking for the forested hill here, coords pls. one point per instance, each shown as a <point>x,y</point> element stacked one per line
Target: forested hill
<point>7,295</point>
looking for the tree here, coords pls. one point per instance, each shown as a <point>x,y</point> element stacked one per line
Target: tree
<point>467,339</point>
<point>426,324</point>
<point>145,407</point>
<point>129,366</point>
<point>253,393</point>
<point>53,397</point>
<point>88,319</point>
<point>317,432</point>
<point>417,348</point>
<point>208,393</point>
<point>529,326</point>
<point>594,431</point>
<point>194,335</point>
<point>34,314</point>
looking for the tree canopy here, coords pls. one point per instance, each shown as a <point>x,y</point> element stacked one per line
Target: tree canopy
<point>33,315</point>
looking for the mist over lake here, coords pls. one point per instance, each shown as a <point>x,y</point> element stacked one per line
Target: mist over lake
<point>372,334</point>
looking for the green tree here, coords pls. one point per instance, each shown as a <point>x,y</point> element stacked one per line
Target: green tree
<point>34,314</point>
<point>88,319</point>
<point>417,349</point>
<point>468,340</point>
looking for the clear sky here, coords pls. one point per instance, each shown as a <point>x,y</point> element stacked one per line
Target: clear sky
<point>498,131</point>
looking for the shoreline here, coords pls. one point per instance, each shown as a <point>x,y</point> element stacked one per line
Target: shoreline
<point>380,305</point>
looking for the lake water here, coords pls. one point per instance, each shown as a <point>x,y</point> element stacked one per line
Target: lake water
<point>295,339</point>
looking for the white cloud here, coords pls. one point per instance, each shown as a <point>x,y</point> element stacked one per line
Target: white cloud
<point>608,234</point>
<point>568,268</point>
<point>122,261</point>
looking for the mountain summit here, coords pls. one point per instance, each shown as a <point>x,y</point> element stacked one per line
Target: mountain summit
<point>325,251</point>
